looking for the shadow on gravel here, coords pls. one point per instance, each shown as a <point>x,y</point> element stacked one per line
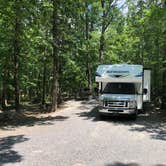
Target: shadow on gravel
<point>29,115</point>
<point>93,115</point>
<point>89,115</point>
<point>89,102</point>
<point>152,122</point>
<point>31,121</point>
<point>128,164</point>
<point>7,154</point>
<point>122,164</point>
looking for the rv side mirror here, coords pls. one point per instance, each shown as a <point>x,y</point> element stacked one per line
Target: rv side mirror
<point>145,91</point>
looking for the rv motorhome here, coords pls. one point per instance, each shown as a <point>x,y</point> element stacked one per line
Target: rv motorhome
<point>123,88</point>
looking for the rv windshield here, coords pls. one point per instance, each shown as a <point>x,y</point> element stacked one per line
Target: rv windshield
<point>119,88</point>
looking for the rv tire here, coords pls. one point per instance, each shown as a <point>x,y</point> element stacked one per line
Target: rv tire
<point>102,116</point>
<point>133,116</point>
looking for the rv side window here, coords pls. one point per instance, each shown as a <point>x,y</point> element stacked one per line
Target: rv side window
<point>120,88</point>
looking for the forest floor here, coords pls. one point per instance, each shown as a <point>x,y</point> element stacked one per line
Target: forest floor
<point>29,114</point>
<point>76,136</point>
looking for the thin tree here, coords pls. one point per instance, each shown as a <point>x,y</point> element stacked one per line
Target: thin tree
<point>16,54</point>
<point>4,87</point>
<point>44,72</point>
<point>164,65</point>
<point>107,17</point>
<point>87,37</point>
<point>55,56</point>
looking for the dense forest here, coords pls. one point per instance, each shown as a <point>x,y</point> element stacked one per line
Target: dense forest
<point>50,49</point>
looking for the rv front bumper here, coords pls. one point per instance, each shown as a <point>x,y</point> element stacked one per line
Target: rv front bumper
<point>116,111</point>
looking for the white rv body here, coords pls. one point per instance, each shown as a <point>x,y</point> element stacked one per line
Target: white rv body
<point>114,79</point>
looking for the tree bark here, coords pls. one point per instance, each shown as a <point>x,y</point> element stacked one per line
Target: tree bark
<point>44,74</point>
<point>87,37</point>
<point>164,66</point>
<point>16,46</point>
<point>44,84</point>
<point>4,89</point>
<point>106,20</point>
<point>101,47</point>
<point>55,56</point>
<point>164,60</point>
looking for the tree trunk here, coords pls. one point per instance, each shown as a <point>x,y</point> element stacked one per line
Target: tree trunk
<point>16,54</point>
<point>55,57</point>
<point>106,6</point>
<point>103,29</point>
<point>4,89</point>
<point>164,62</point>
<point>101,49</point>
<point>142,54</point>
<point>44,84</point>
<point>44,74</point>
<point>164,72</point>
<point>88,65</point>
<point>164,67</point>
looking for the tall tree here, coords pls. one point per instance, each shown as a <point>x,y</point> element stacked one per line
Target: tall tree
<point>55,90</point>
<point>16,53</point>
<point>107,15</point>
<point>164,57</point>
<point>87,38</point>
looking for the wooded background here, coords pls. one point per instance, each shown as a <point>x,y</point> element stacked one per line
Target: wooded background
<point>50,49</point>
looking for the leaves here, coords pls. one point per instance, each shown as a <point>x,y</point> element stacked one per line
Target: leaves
<point>133,34</point>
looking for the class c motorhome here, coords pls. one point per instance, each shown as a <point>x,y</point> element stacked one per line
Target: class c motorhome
<point>123,88</point>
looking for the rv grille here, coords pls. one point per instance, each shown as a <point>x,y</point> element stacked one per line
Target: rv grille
<point>115,104</point>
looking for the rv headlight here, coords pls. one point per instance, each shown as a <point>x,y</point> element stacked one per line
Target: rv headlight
<point>132,104</point>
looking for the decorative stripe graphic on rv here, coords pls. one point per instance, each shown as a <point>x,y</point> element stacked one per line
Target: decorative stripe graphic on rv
<point>120,98</point>
<point>97,74</point>
<point>139,75</point>
<point>119,75</point>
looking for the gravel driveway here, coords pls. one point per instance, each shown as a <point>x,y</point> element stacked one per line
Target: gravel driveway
<point>76,136</point>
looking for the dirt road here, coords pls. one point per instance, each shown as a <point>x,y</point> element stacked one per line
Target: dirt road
<point>76,136</point>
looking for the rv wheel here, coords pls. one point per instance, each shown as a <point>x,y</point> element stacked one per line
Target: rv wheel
<point>134,116</point>
<point>102,116</point>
